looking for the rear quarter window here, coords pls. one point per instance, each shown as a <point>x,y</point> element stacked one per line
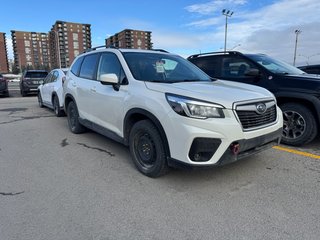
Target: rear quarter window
<point>76,66</point>
<point>210,65</point>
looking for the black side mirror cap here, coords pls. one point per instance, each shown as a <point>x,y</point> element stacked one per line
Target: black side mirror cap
<point>253,72</point>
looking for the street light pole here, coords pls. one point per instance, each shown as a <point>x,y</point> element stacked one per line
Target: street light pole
<point>227,13</point>
<point>297,32</point>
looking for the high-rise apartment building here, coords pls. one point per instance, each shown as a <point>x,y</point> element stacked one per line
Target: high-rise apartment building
<point>129,38</point>
<point>30,49</point>
<point>4,66</point>
<point>67,41</point>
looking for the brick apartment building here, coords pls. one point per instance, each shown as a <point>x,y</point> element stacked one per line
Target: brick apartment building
<point>129,38</point>
<point>30,49</point>
<point>4,66</point>
<point>71,39</point>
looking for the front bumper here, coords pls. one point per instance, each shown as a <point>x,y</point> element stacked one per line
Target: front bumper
<point>247,147</point>
<point>219,141</point>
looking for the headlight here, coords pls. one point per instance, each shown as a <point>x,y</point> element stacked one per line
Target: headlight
<point>194,108</point>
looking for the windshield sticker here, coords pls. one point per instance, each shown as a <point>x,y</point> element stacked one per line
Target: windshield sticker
<point>160,67</point>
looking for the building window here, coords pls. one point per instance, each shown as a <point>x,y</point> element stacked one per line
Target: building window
<point>75,36</point>
<point>76,45</point>
<point>76,53</point>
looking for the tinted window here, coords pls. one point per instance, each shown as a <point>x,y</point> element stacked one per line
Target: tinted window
<point>235,67</point>
<point>76,66</point>
<point>88,66</point>
<point>109,63</point>
<point>210,65</point>
<point>36,74</point>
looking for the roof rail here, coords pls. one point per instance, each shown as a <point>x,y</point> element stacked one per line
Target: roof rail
<point>212,53</point>
<point>160,50</point>
<point>95,48</point>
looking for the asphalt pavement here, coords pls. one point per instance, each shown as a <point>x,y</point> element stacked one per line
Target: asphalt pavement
<point>58,185</point>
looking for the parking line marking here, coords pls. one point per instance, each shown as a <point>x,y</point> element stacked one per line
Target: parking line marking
<point>297,152</point>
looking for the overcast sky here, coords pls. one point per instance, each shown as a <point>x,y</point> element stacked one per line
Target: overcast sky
<point>184,27</point>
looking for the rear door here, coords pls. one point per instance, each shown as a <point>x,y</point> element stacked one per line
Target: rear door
<point>85,86</point>
<point>45,88</point>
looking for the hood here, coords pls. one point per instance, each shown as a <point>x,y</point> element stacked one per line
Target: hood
<point>221,92</point>
<point>304,77</point>
<point>307,83</point>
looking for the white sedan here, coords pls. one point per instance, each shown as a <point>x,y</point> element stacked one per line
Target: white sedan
<point>50,92</point>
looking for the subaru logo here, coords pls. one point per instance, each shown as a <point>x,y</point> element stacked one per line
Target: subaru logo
<point>261,108</point>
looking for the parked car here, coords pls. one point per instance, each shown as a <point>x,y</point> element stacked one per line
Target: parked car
<point>3,86</point>
<point>30,80</point>
<point>50,92</point>
<point>297,93</point>
<point>167,110</point>
<point>311,69</point>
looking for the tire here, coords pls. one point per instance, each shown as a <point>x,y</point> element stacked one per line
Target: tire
<point>23,94</point>
<point>40,100</point>
<point>73,119</point>
<point>299,124</point>
<point>147,149</point>
<point>56,107</point>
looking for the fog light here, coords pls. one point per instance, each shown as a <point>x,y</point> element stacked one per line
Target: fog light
<point>202,149</point>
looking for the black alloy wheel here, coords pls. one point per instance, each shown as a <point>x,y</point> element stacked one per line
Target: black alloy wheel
<point>299,124</point>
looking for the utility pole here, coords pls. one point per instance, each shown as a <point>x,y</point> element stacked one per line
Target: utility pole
<point>297,32</point>
<point>226,13</point>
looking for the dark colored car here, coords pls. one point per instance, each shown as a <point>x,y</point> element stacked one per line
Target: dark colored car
<point>30,81</point>
<point>311,69</point>
<point>297,93</point>
<point>3,86</point>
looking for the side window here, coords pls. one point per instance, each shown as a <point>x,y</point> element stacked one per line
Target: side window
<point>76,66</point>
<point>109,63</point>
<point>88,67</point>
<point>210,65</point>
<point>48,78</point>
<point>55,76</point>
<point>235,67</point>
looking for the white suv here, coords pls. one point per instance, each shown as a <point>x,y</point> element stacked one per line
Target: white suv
<point>167,110</point>
<point>50,92</point>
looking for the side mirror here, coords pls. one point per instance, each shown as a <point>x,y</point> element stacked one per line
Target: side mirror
<point>252,72</point>
<point>109,78</point>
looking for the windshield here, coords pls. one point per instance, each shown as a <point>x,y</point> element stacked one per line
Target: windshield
<point>36,74</point>
<point>274,65</point>
<point>157,67</point>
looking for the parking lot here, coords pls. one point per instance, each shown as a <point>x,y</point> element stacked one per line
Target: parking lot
<point>57,185</point>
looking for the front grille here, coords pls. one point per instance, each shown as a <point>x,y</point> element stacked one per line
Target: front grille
<point>251,119</point>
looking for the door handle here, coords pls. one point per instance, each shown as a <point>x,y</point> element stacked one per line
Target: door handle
<point>93,89</point>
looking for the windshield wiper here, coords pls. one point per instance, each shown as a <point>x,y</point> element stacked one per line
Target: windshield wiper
<point>158,81</point>
<point>189,80</point>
